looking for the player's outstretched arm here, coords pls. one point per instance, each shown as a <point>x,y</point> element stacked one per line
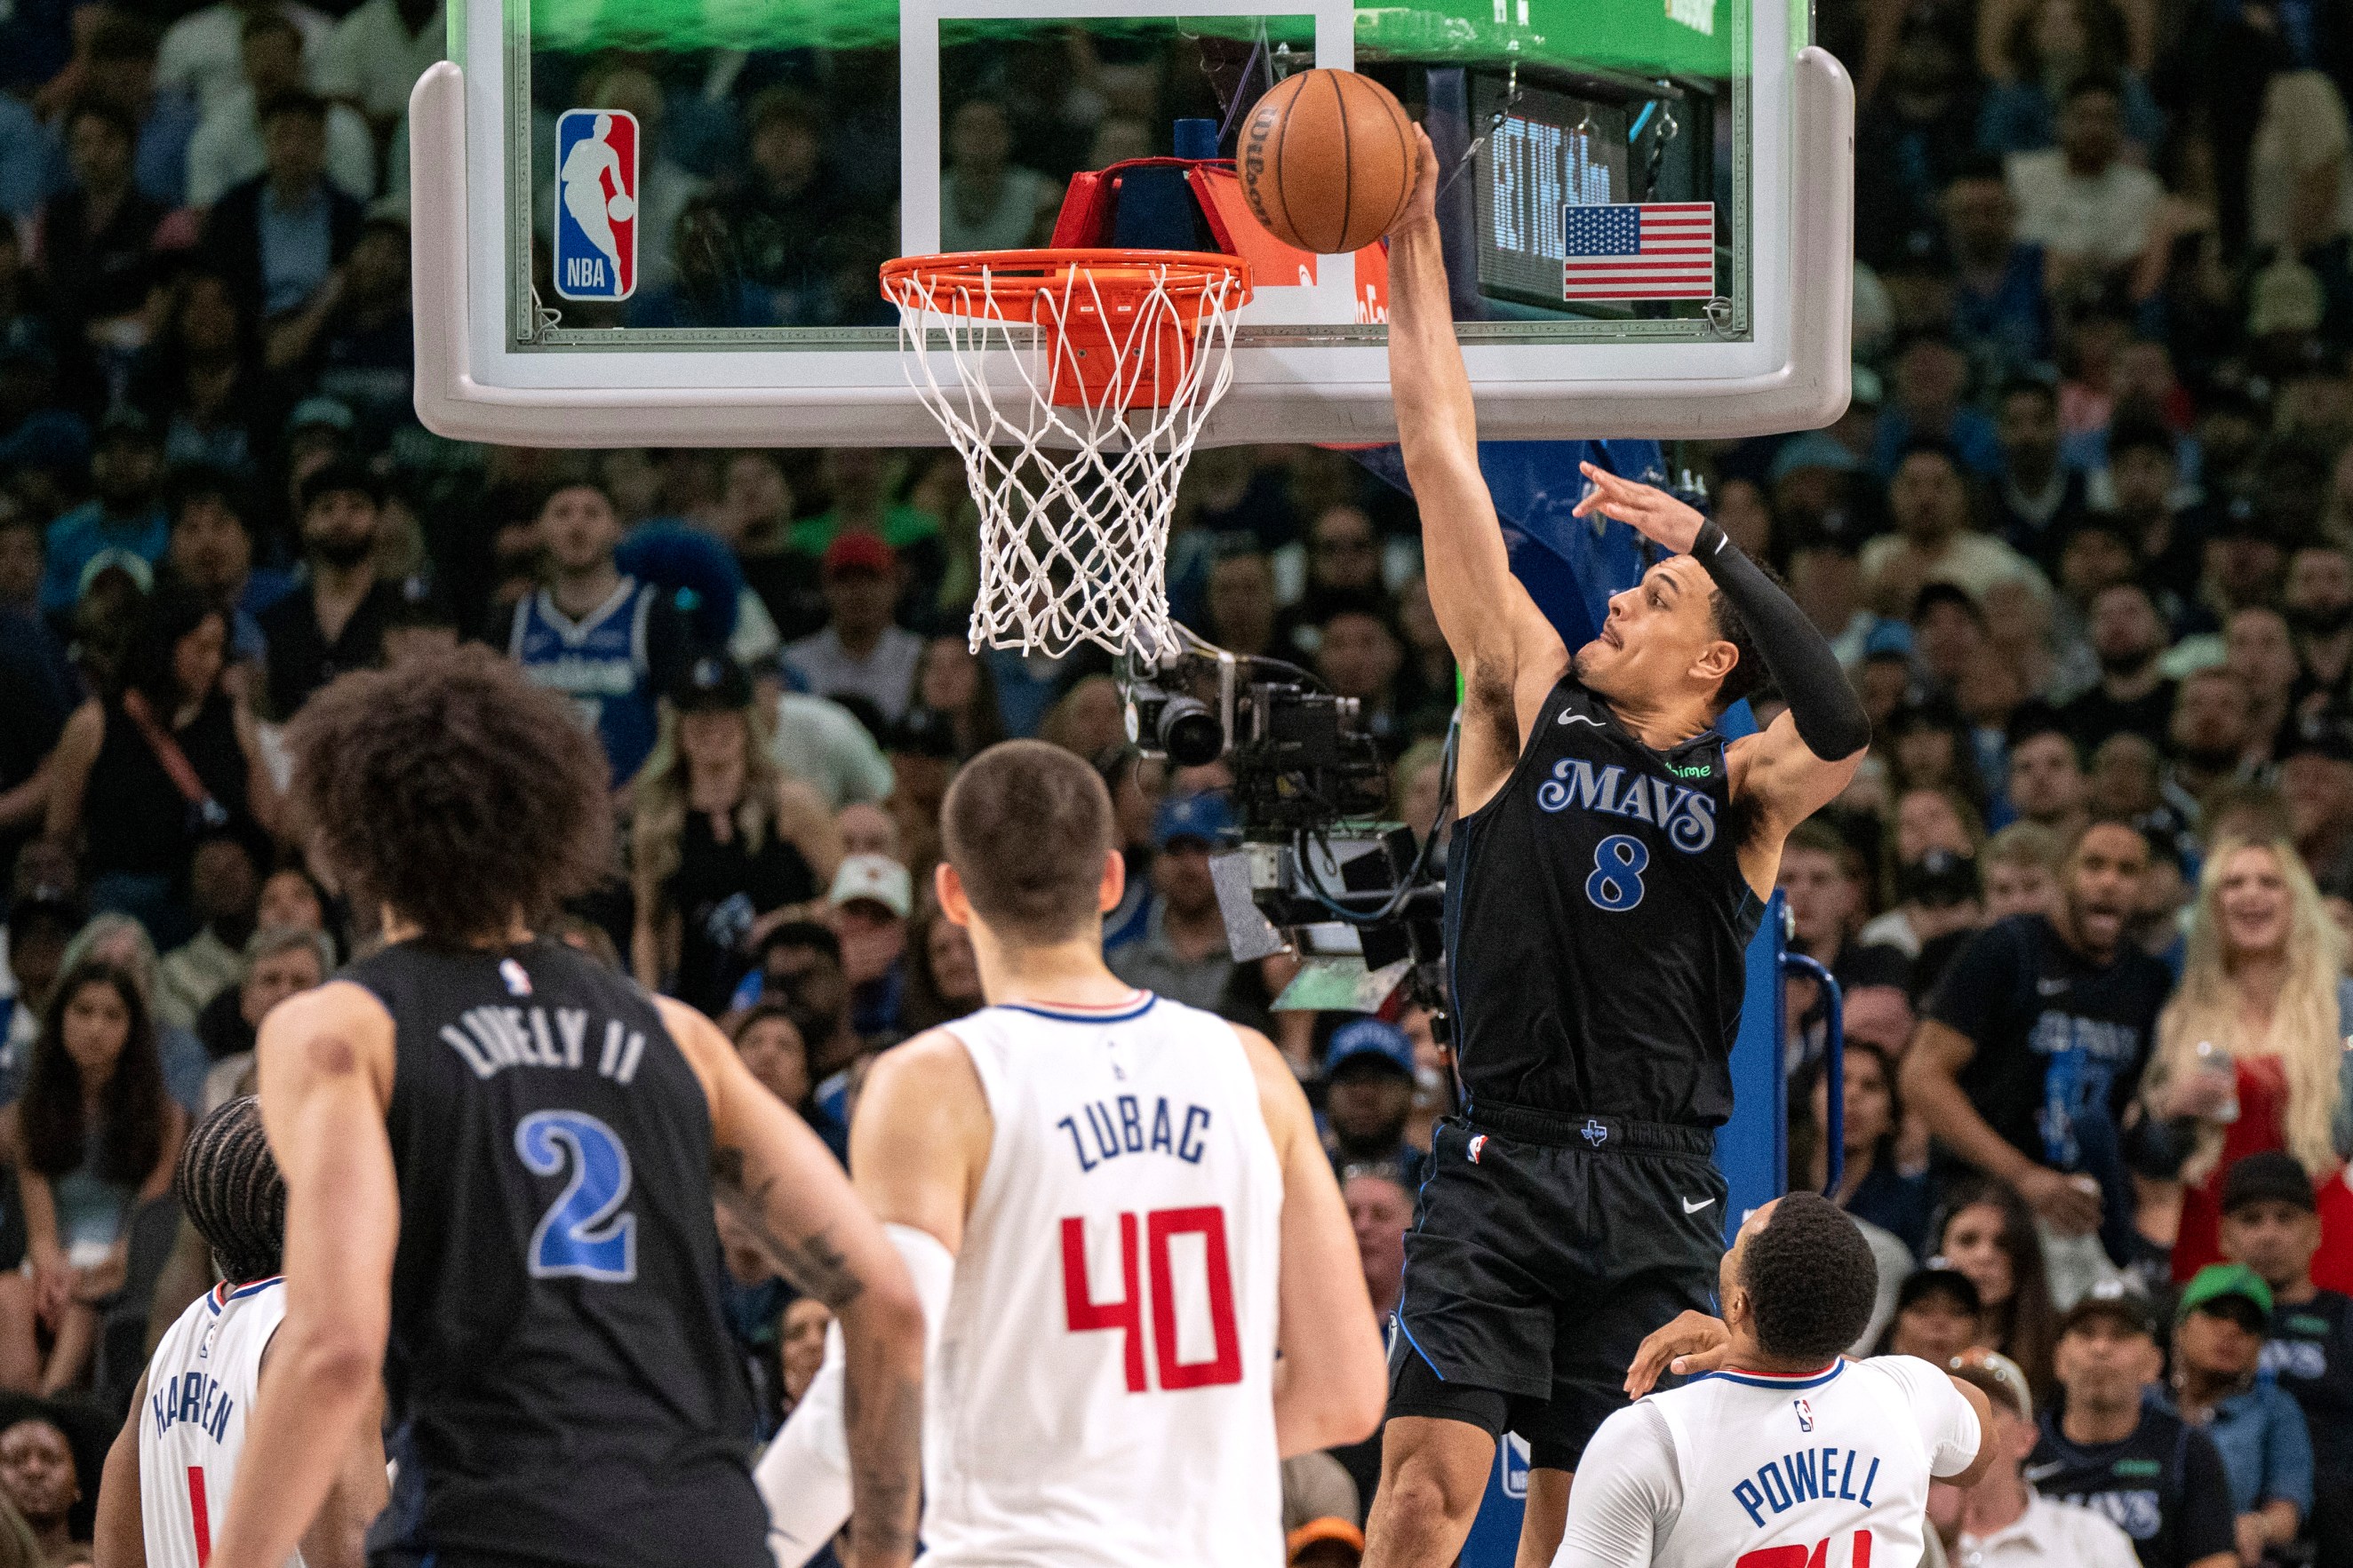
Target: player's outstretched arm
<point>1331,1379</point>
<point>1509,653</point>
<point>326,1075</point>
<point>1809,754</point>
<point>788,1190</point>
<point>119,1540</point>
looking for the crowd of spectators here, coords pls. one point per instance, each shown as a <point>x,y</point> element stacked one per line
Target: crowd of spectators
<point>2085,541</point>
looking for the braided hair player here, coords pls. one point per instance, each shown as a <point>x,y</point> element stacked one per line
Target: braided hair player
<point>169,1472</point>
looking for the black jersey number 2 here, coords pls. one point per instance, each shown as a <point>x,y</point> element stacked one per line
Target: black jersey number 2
<point>1619,862</point>
<point>582,1235</point>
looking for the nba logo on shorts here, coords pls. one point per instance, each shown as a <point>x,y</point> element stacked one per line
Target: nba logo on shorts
<point>1513,1458</point>
<point>596,203</point>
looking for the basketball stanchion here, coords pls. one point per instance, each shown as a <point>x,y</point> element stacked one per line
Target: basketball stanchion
<point>1078,382</point>
<point>1833,1061</point>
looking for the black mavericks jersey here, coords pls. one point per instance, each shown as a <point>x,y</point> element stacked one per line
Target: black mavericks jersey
<point>560,1379</point>
<point>1597,926</point>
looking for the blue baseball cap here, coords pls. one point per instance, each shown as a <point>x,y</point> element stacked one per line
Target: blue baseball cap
<point>1888,639</point>
<point>1363,1039</point>
<point>1206,816</point>
<point>1815,449</point>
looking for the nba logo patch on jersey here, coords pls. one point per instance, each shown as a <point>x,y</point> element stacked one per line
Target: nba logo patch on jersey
<point>1514,1460</point>
<point>1478,1143</point>
<point>596,204</point>
<point>1805,1414</point>
<point>518,982</point>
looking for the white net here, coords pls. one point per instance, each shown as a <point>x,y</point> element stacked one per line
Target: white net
<point>1074,391</point>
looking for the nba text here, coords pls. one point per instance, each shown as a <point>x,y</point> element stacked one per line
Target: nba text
<point>1804,1476</point>
<point>496,1037</point>
<point>1120,1126</point>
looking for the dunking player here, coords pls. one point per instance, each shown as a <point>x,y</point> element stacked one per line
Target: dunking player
<point>1128,1215</point>
<point>171,1467</point>
<point>499,1156</point>
<point>1612,861</point>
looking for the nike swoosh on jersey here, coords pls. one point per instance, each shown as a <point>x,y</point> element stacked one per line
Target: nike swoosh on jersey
<point>1580,719</point>
<point>2043,1473</point>
<point>1691,1207</point>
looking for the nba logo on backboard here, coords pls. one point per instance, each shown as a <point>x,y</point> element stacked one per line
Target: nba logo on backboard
<point>1512,1454</point>
<point>596,203</point>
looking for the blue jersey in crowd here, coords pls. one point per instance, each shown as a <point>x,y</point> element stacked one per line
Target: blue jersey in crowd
<point>612,663</point>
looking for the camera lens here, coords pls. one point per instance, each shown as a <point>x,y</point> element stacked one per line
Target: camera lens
<point>1190,733</point>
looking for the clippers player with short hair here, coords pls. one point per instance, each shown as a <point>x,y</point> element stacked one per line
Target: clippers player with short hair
<point>498,1159</point>
<point>172,1466</point>
<point>1614,855</point>
<point>1780,1449</point>
<point>1119,1214</point>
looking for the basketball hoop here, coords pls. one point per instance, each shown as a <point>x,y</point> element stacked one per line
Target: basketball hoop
<point>1081,380</point>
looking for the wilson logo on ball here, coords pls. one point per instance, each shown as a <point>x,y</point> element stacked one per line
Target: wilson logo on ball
<point>1328,160</point>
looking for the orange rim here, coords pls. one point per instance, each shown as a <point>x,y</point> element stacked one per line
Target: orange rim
<point>1026,274</point>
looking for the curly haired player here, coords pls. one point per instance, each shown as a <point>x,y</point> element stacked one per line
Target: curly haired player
<point>499,1161</point>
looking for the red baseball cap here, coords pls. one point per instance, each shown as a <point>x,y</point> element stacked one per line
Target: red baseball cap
<point>860,552</point>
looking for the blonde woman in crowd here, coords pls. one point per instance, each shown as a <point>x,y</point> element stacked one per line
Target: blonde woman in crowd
<point>2250,1052</point>
<point>720,843</point>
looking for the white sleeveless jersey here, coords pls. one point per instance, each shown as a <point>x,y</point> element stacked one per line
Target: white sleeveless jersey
<point>1103,1390</point>
<point>191,1430</point>
<point>1827,1471</point>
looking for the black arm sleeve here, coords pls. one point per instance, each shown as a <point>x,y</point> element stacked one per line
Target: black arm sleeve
<point>1829,716</point>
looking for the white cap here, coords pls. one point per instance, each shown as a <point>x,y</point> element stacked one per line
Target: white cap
<point>876,878</point>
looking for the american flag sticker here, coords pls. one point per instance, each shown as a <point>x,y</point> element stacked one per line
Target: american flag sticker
<point>1651,251</point>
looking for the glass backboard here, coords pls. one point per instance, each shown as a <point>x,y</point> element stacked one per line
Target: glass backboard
<point>770,156</point>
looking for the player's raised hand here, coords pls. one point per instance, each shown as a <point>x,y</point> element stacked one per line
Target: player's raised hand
<point>1693,1343</point>
<point>1422,205</point>
<point>1649,510</point>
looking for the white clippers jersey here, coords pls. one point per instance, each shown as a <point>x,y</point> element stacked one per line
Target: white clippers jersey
<point>191,1430</point>
<point>1825,1471</point>
<point>1104,1392</point>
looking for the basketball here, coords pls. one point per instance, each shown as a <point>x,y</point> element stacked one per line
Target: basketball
<point>1326,161</point>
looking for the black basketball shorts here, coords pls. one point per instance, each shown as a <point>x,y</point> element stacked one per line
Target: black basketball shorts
<point>1544,1250</point>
